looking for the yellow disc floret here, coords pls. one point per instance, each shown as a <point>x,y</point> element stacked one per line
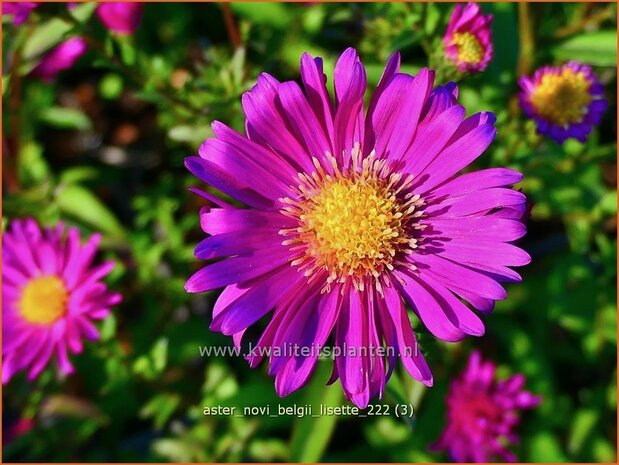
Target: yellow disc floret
<point>353,224</point>
<point>43,300</point>
<point>562,98</point>
<point>470,49</point>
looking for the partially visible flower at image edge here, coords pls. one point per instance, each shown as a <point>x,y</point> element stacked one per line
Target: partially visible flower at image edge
<point>121,18</point>
<point>483,413</point>
<point>19,10</point>
<point>60,58</point>
<point>51,293</point>
<point>564,101</point>
<point>348,213</point>
<point>468,38</point>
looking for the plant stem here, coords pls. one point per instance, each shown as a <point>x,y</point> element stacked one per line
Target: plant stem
<point>593,20</point>
<point>527,45</point>
<point>231,28</point>
<point>13,147</point>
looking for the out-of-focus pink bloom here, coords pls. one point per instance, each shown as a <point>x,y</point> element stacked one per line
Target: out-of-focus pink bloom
<point>564,101</point>
<point>60,58</point>
<point>16,429</point>
<point>468,39</point>
<point>119,17</point>
<point>482,414</point>
<point>19,10</point>
<point>52,292</point>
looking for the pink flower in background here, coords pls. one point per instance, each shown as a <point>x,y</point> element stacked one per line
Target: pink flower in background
<point>19,10</point>
<point>565,101</point>
<point>60,58</point>
<point>120,17</point>
<point>348,214</point>
<point>14,429</point>
<point>483,413</point>
<point>51,292</point>
<point>468,39</point>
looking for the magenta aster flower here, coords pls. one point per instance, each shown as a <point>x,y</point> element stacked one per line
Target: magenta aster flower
<point>60,58</point>
<point>19,10</point>
<point>482,414</point>
<point>346,213</point>
<point>565,101</point>
<point>51,292</point>
<point>120,17</point>
<point>468,39</point>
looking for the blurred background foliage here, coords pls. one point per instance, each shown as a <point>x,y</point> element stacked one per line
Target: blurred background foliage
<point>102,147</point>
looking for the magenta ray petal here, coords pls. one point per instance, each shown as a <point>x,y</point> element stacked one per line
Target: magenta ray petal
<point>435,314</point>
<point>314,82</point>
<point>410,353</point>
<point>394,120</point>
<point>236,269</point>
<point>260,297</point>
<point>267,125</point>
<point>225,220</point>
<point>212,174</point>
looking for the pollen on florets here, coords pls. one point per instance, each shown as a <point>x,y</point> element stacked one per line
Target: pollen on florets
<point>470,50</point>
<point>44,300</point>
<point>563,97</point>
<point>354,223</point>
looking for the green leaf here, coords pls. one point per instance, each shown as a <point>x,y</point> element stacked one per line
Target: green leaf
<point>82,204</point>
<point>311,435</point>
<point>596,48</point>
<point>108,328</point>
<point>270,14</point>
<point>111,86</point>
<point>433,15</point>
<point>127,50</point>
<point>77,174</point>
<point>83,11</point>
<point>160,408</point>
<point>159,354</point>
<point>45,37</point>
<point>191,135</point>
<point>582,425</point>
<point>66,118</point>
<point>545,448</point>
<point>33,169</point>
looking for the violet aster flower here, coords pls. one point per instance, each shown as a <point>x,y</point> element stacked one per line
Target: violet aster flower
<point>51,292</point>
<point>482,414</point>
<point>60,58</point>
<point>347,213</point>
<point>565,101</point>
<point>468,39</point>
<point>120,17</point>
<point>19,10</point>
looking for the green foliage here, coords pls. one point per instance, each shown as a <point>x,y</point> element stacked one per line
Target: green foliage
<point>102,148</point>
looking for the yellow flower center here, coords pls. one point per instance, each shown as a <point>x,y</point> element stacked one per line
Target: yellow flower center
<point>562,98</point>
<point>353,224</point>
<point>43,300</point>
<point>470,49</point>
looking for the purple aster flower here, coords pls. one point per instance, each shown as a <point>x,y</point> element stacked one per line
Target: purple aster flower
<point>565,101</point>
<point>120,17</point>
<point>347,214</point>
<point>468,39</point>
<point>60,58</point>
<point>19,10</point>
<point>51,292</point>
<point>482,414</point>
